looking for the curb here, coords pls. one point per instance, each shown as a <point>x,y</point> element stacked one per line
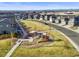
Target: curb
<point>74,44</point>
<point>77,48</point>
<point>64,27</point>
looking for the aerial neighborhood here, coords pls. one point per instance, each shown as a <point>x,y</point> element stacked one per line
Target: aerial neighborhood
<point>39,33</point>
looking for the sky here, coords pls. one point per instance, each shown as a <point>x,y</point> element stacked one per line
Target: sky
<point>38,5</point>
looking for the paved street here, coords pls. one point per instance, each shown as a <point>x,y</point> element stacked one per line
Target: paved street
<point>74,36</point>
<point>22,29</point>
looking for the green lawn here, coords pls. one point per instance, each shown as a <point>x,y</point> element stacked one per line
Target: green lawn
<point>59,47</point>
<point>5,46</point>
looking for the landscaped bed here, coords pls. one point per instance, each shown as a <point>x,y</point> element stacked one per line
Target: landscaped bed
<point>59,46</point>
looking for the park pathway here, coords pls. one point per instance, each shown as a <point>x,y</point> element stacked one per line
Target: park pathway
<point>18,42</point>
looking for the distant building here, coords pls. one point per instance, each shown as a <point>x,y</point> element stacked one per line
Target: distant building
<point>7,21</point>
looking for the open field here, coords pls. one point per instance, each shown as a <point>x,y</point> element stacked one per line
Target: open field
<point>5,46</point>
<point>60,46</point>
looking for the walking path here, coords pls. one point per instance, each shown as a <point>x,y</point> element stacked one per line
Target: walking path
<point>18,42</point>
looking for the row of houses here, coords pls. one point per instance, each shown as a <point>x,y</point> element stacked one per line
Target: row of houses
<point>8,23</point>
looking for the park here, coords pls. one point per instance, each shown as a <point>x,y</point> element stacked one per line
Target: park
<point>39,33</point>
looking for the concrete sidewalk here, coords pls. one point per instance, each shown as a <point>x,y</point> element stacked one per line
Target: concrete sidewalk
<point>18,42</point>
<point>71,23</point>
<point>68,27</point>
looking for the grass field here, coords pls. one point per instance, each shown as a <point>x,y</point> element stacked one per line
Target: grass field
<point>5,46</point>
<point>59,47</point>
